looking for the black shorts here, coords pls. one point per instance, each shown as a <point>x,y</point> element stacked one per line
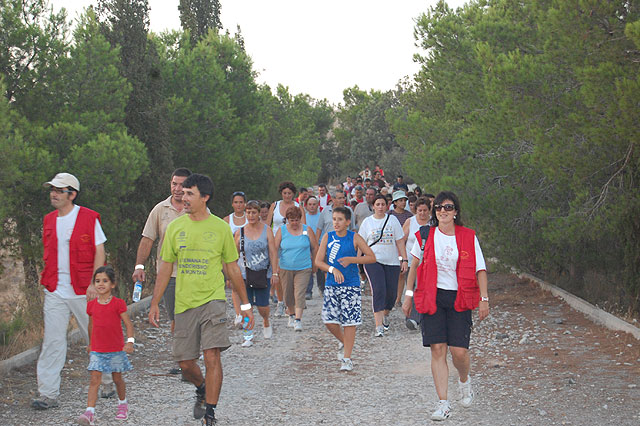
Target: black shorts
<point>447,325</point>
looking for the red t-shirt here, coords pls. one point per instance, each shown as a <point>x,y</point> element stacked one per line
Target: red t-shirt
<point>106,334</point>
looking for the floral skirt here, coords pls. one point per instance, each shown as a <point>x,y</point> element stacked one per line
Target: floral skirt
<point>109,362</point>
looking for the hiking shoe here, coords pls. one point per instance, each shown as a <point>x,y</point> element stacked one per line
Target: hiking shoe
<point>108,390</point>
<point>292,321</point>
<point>44,403</point>
<point>411,324</point>
<point>385,322</point>
<point>297,325</point>
<point>347,365</point>
<point>379,331</point>
<point>267,332</point>
<point>280,310</point>
<point>87,418</point>
<point>340,351</point>
<point>123,412</point>
<point>443,411</point>
<point>200,407</point>
<point>466,391</point>
<point>209,420</point>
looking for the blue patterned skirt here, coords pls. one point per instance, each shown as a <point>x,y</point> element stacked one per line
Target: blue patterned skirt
<point>109,362</point>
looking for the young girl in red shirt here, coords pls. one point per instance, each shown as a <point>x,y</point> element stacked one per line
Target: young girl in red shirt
<point>106,343</point>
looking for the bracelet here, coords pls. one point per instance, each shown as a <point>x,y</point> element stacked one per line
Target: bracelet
<point>275,275</point>
<point>246,307</point>
<point>331,268</point>
<point>409,293</point>
<point>139,266</point>
<point>131,340</point>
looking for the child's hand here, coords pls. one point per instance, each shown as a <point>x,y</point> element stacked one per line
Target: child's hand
<point>128,347</point>
<point>89,349</point>
<point>345,261</point>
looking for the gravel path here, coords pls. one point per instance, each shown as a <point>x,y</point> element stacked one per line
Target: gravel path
<point>534,362</point>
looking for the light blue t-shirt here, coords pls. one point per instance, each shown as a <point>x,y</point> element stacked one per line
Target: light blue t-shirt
<point>312,221</point>
<point>295,250</point>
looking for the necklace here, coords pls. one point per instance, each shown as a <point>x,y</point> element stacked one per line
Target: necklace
<point>239,217</point>
<point>105,302</point>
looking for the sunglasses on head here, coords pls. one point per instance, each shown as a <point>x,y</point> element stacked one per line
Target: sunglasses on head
<point>240,193</point>
<point>447,207</point>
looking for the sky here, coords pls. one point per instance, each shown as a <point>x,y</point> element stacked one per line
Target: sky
<point>315,47</point>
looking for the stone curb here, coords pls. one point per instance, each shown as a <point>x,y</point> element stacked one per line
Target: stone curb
<point>74,336</point>
<point>592,312</point>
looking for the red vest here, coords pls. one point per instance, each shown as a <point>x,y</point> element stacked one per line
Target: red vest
<point>468,296</point>
<point>82,251</point>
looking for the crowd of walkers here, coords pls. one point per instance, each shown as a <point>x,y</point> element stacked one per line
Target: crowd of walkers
<point>354,238</point>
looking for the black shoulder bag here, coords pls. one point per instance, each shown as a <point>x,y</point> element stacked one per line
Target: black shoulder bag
<point>255,279</point>
<point>381,232</point>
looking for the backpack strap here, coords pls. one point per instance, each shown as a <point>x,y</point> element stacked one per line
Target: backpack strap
<point>424,236</point>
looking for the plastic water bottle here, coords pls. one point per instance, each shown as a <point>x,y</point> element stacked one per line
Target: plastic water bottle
<point>137,291</point>
<point>246,333</point>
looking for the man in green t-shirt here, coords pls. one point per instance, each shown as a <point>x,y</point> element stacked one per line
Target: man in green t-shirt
<point>202,245</point>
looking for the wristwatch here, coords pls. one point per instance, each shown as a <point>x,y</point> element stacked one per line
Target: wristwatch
<point>484,299</point>
<point>131,340</point>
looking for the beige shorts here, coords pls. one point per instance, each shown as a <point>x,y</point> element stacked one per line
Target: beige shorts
<point>202,327</point>
<point>294,284</point>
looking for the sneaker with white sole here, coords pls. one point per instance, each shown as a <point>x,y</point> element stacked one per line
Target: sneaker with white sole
<point>297,325</point>
<point>123,412</point>
<point>87,418</point>
<point>267,332</point>
<point>347,364</point>
<point>385,322</point>
<point>467,392</point>
<point>292,321</point>
<point>443,411</point>
<point>340,351</point>
<point>247,343</point>
<point>379,331</point>
<point>411,324</point>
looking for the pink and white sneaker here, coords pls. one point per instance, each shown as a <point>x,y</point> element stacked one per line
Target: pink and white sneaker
<point>123,412</point>
<point>87,418</point>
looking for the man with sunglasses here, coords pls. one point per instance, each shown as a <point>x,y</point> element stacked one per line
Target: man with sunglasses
<point>159,217</point>
<point>73,248</point>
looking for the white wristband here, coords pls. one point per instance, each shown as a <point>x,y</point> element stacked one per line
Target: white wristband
<point>409,293</point>
<point>331,268</point>
<point>131,340</point>
<point>141,267</point>
<point>246,307</point>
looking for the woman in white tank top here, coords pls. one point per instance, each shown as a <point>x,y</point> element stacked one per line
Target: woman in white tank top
<point>411,226</point>
<point>236,220</point>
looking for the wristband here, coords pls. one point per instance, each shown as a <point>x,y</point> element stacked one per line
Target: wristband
<point>274,275</point>
<point>484,299</point>
<point>409,293</point>
<point>331,268</point>
<point>141,267</point>
<point>131,340</point>
<point>246,307</point>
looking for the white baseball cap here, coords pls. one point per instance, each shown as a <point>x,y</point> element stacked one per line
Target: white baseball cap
<point>63,180</point>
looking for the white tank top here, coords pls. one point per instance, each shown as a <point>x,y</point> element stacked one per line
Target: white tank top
<point>278,219</point>
<point>235,227</point>
<point>414,227</point>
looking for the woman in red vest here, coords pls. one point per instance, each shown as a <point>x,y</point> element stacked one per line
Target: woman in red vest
<point>452,282</point>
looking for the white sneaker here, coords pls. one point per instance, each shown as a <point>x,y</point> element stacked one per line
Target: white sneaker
<point>379,331</point>
<point>347,365</point>
<point>297,325</point>
<point>247,343</point>
<point>443,411</point>
<point>237,323</point>
<point>267,332</point>
<point>466,391</point>
<point>340,351</point>
<point>292,320</point>
<point>385,322</point>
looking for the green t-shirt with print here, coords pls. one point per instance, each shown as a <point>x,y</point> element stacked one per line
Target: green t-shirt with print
<point>200,248</point>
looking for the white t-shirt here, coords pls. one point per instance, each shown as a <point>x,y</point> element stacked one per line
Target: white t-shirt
<point>385,250</point>
<point>64,229</point>
<point>446,251</point>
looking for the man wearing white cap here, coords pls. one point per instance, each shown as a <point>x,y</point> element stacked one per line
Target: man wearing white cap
<point>73,248</point>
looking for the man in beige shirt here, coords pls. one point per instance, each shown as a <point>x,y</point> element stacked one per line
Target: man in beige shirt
<point>161,215</point>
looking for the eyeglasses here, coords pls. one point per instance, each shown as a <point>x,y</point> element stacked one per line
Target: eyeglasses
<point>447,207</point>
<point>59,190</point>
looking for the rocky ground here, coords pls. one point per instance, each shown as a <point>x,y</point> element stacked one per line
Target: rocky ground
<point>535,361</point>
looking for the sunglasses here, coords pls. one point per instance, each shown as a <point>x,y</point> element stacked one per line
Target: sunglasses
<point>447,207</point>
<point>59,190</point>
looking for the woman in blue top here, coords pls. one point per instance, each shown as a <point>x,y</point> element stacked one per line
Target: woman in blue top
<point>342,306</point>
<point>297,249</point>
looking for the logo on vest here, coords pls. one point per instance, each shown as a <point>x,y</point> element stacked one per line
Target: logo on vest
<point>464,255</point>
<point>85,238</point>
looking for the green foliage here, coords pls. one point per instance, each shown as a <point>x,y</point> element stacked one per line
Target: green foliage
<point>199,16</point>
<point>529,111</point>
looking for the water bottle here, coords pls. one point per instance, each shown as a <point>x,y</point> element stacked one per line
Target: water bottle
<point>246,333</point>
<point>137,291</point>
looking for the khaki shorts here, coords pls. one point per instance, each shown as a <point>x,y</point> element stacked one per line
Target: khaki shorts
<point>202,327</point>
<point>294,284</point>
